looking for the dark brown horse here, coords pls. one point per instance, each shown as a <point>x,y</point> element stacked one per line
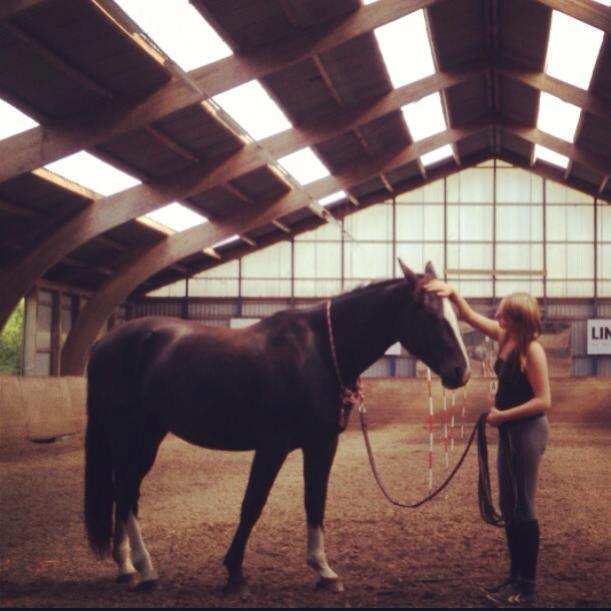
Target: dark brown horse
<point>272,387</point>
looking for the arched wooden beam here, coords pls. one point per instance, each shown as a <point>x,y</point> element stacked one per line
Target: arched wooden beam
<point>112,211</point>
<point>181,245</point>
<point>42,145</point>
<point>589,12</point>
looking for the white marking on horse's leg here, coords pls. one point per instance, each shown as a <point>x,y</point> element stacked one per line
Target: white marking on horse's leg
<point>316,553</point>
<point>121,550</point>
<point>141,557</point>
<point>450,316</point>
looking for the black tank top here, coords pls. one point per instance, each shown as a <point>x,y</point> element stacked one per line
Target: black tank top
<point>514,387</point>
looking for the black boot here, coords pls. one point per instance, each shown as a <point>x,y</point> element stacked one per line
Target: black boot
<point>523,591</point>
<point>514,568</point>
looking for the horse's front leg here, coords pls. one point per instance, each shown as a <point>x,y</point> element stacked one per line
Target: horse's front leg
<point>317,461</point>
<point>265,467</point>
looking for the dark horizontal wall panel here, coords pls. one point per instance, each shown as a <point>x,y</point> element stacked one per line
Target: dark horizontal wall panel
<point>198,132</point>
<point>145,153</point>
<point>302,92</point>
<point>386,134</point>
<point>247,24</point>
<point>30,78</point>
<point>524,28</point>
<point>601,80</point>
<point>341,152</point>
<point>518,102</point>
<point>357,70</point>
<point>218,203</point>
<point>78,33</point>
<point>457,30</point>
<point>262,185</point>
<point>468,101</point>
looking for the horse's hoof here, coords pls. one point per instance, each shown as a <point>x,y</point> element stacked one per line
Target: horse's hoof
<point>128,578</point>
<point>331,585</point>
<point>146,586</point>
<point>237,587</point>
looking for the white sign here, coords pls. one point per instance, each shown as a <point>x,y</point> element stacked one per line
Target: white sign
<point>599,336</point>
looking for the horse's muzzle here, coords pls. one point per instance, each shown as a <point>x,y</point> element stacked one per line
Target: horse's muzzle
<point>456,377</point>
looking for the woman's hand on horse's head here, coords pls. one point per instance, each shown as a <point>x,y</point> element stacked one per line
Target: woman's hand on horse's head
<point>438,287</point>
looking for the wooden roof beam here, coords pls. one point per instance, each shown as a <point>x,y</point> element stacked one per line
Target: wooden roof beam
<point>589,12</point>
<point>572,151</point>
<point>40,146</point>
<point>569,93</point>
<point>119,208</point>
<point>179,246</point>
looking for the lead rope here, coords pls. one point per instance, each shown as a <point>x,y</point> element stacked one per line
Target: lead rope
<point>351,398</point>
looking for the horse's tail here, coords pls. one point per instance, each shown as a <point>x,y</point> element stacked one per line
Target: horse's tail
<point>99,487</point>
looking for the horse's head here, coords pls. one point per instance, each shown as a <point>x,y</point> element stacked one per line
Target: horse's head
<point>431,333</point>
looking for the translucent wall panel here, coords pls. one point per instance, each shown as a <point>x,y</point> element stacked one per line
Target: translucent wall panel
<point>521,223</point>
<point>506,285</point>
<point>515,185</point>
<point>470,256</point>
<point>523,257</point>
<point>471,186</point>
<point>472,286</point>
<point>318,260</point>
<point>556,193</point>
<point>470,222</point>
<point>417,255</point>
<point>65,316</point>
<point>571,223</point>
<point>604,270</point>
<point>373,223</point>
<point>419,222</point>
<point>429,194</point>
<point>368,261</point>
<point>318,268</point>
<point>176,289</point>
<point>267,272</point>
<point>326,232</point>
<point>220,281</point>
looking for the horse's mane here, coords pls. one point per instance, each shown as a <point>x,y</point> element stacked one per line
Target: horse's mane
<point>369,286</point>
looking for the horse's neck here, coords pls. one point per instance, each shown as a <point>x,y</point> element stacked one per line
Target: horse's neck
<point>363,328</point>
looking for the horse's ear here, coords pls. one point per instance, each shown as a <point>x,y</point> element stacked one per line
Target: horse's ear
<point>407,272</point>
<point>429,270</point>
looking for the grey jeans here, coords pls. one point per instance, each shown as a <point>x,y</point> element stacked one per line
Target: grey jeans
<point>521,446</point>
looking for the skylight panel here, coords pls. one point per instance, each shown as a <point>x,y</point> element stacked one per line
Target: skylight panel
<point>557,117</point>
<point>552,157</point>
<point>13,121</point>
<point>572,50</point>
<point>176,217</point>
<point>334,197</point>
<point>179,29</point>
<point>425,117</point>
<point>252,107</point>
<point>92,173</point>
<point>304,166</point>
<point>406,49</point>
<point>605,2</point>
<point>437,155</point>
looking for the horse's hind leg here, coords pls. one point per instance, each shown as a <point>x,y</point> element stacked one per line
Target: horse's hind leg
<point>137,462</point>
<point>317,461</point>
<point>265,468</point>
<point>121,552</point>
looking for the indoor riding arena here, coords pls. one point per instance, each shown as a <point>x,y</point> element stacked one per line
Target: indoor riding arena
<point>237,235</point>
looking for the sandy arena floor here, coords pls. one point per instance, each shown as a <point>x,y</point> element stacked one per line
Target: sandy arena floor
<point>387,557</point>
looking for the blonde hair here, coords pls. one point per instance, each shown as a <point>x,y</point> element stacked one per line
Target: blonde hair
<point>523,318</point>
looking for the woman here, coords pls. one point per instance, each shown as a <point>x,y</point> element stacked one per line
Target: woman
<point>522,401</point>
